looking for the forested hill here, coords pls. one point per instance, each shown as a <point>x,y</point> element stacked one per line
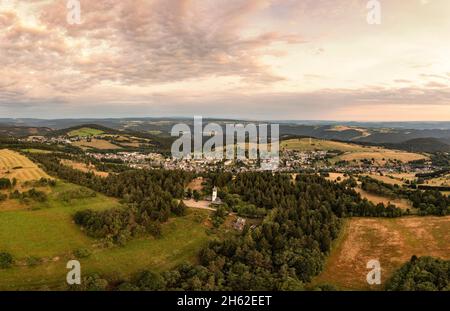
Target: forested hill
<point>429,144</point>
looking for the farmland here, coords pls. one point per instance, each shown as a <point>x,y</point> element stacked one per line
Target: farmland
<point>83,167</point>
<point>85,132</point>
<point>404,204</point>
<point>306,144</point>
<point>96,144</point>
<point>380,156</point>
<point>391,241</point>
<point>351,152</point>
<point>15,165</point>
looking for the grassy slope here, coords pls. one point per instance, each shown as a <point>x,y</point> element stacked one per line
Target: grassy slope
<point>50,234</point>
<point>305,144</point>
<point>351,151</point>
<point>84,132</point>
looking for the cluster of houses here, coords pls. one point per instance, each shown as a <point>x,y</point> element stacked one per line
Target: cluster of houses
<point>132,158</point>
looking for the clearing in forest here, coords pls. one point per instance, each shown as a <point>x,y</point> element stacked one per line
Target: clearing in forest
<point>392,241</point>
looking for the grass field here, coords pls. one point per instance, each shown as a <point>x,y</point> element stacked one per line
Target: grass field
<point>83,167</point>
<point>306,144</point>
<point>404,204</point>
<point>391,180</point>
<point>391,241</point>
<point>15,165</point>
<point>50,234</point>
<point>443,181</point>
<point>352,152</point>
<point>382,155</point>
<point>336,176</point>
<point>96,144</point>
<point>85,132</point>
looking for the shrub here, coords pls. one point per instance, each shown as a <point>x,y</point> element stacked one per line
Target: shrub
<point>5,183</point>
<point>82,253</point>
<point>6,260</point>
<point>33,261</point>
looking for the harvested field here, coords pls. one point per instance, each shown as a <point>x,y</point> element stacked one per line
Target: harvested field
<point>352,152</point>
<point>15,165</point>
<point>443,181</point>
<point>199,204</point>
<point>96,144</point>
<point>386,179</point>
<point>391,241</point>
<point>306,144</point>
<point>404,204</point>
<point>336,176</point>
<point>84,167</point>
<point>381,156</point>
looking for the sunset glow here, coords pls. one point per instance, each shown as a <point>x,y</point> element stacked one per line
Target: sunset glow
<point>269,59</point>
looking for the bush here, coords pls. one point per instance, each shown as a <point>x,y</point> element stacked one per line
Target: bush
<point>6,260</point>
<point>5,183</point>
<point>82,253</point>
<point>421,274</point>
<point>33,261</point>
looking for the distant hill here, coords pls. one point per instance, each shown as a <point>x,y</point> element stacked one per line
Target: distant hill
<point>84,130</point>
<point>367,133</point>
<point>422,145</point>
<point>23,131</point>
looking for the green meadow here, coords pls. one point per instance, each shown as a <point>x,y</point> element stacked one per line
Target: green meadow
<point>46,230</point>
<point>84,132</point>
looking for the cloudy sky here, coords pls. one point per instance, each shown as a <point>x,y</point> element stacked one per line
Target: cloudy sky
<point>260,59</point>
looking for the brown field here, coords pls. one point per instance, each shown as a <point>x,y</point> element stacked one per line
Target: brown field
<point>386,179</point>
<point>306,144</point>
<point>382,155</point>
<point>96,144</point>
<point>352,152</point>
<point>443,181</point>
<point>335,176</point>
<point>391,241</point>
<point>376,199</point>
<point>84,167</point>
<point>404,176</point>
<point>15,165</point>
<point>202,204</point>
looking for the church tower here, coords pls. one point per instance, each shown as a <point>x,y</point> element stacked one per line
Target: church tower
<point>214,194</point>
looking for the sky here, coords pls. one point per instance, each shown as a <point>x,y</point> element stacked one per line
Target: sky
<point>253,59</point>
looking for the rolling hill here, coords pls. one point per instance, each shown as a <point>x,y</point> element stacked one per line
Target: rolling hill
<point>422,145</point>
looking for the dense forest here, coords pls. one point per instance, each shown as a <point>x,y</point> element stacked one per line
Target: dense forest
<point>428,202</point>
<point>150,198</point>
<point>421,274</point>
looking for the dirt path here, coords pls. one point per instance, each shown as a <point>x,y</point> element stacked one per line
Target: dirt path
<point>199,204</point>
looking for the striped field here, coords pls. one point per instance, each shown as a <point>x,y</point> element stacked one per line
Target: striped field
<point>15,165</point>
